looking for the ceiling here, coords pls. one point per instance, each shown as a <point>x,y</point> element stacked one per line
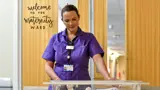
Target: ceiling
<point>116,22</point>
<point>116,25</point>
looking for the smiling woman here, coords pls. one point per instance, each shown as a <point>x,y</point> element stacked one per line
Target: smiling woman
<point>72,63</point>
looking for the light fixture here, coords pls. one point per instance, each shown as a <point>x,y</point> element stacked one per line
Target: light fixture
<point>116,36</point>
<point>110,26</point>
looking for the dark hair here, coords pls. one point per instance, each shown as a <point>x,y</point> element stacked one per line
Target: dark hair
<point>68,8</point>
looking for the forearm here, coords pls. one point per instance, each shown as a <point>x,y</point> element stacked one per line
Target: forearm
<point>102,67</point>
<point>50,72</point>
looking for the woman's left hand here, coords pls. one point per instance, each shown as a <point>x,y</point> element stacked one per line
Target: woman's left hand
<point>117,86</point>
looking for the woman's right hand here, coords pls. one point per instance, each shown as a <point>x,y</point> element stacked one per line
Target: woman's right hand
<point>57,86</point>
<point>57,78</point>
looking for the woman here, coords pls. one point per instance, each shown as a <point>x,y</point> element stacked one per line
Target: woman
<point>68,52</point>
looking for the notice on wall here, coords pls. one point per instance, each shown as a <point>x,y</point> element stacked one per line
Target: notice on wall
<point>38,17</point>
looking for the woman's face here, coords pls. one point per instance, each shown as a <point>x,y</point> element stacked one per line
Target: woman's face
<point>71,20</point>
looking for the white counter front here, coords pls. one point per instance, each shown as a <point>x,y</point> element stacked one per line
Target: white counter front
<point>135,85</point>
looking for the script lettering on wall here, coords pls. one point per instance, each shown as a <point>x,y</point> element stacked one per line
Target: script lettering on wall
<point>39,18</point>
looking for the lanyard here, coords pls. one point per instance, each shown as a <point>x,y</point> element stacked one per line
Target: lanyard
<point>70,49</point>
<point>70,44</point>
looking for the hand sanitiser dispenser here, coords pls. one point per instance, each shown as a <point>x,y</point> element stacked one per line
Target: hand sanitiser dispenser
<point>5,84</point>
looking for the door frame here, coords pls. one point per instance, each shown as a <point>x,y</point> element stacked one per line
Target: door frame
<point>17,44</point>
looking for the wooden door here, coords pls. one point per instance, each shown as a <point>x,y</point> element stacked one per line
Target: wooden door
<point>40,19</point>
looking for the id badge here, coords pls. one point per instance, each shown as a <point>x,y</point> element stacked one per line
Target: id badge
<point>70,47</point>
<point>68,67</point>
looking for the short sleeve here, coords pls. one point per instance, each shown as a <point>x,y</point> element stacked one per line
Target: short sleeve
<point>49,53</point>
<point>94,47</point>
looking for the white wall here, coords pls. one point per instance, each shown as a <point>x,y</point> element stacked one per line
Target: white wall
<point>61,4</point>
<point>6,38</point>
<point>61,25</point>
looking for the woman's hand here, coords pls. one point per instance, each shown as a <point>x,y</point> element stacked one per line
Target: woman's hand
<point>117,86</point>
<point>98,60</point>
<point>88,88</point>
<point>49,70</point>
<point>57,78</point>
<point>57,86</point>
<point>111,78</point>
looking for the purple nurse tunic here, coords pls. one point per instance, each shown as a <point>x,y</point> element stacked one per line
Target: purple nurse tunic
<point>85,46</point>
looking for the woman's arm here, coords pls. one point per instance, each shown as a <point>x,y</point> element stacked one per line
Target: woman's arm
<point>49,70</point>
<point>98,60</point>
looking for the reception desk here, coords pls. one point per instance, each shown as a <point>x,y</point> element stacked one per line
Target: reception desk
<point>100,85</point>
